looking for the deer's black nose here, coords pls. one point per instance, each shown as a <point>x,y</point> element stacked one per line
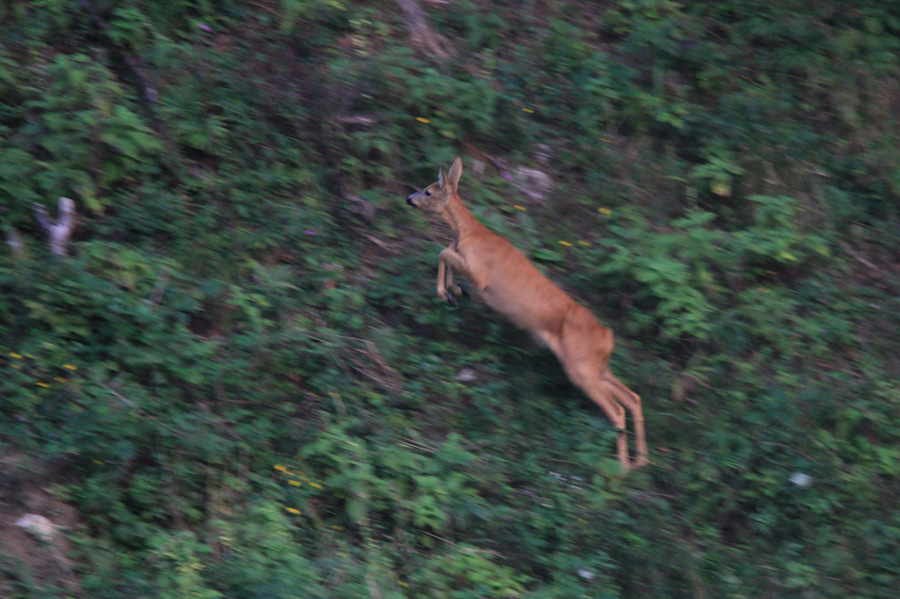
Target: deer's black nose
<point>409,200</point>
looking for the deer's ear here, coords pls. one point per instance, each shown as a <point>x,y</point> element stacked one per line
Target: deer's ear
<point>455,172</point>
<point>441,179</point>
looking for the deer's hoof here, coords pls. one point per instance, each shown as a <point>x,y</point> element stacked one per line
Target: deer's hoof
<point>450,299</point>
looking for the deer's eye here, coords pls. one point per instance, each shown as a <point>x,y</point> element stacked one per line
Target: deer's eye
<point>427,194</point>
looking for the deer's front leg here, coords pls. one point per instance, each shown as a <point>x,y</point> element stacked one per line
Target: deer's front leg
<point>451,260</point>
<point>442,279</point>
<point>451,283</point>
<point>450,279</point>
<point>445,275</point>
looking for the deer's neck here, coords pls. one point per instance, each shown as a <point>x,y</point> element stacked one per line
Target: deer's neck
<point>459,218</point>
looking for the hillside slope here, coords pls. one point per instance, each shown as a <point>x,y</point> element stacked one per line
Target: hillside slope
<point>239,383</point>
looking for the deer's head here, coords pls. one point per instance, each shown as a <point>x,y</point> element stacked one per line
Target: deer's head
<point>434,197</point>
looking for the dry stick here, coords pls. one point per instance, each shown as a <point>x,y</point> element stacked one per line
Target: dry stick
<point>172,159</point>
<point>120,397</point>
<point>420,31</point>
<point>373,585</point>
<point>149,91</point>
<point>413,444</point>
<point>438,538</point>
<point>140,411</point>
<point>357,119</point>
<point>15,242</point>
<point>846,247</point>
<point>161,282</point>
<point>58,231</point>
<point>376,355</point>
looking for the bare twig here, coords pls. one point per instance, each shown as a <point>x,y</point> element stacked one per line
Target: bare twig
<point>420,31</point>
<point>379,359</point>
<point>148,91</point>
<point>413,444</point>
<point>160,286</point>
<point>376,241</point>
<point>15,242</point>
<point>440,538</point>
<point>373,585</point>
<point>125,401</point>
<point>846,247</point>
<point>58,231</point>
<point>358,120</point>
<point>119,396</point>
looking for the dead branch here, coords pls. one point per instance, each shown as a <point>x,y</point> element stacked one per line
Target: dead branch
<point>160,287</point>
<point>58,231</point>
<point>148,91</point>
<point>420,32</point>
<point>846,247</point>
<point>359,120</point>
<point>15,242</point>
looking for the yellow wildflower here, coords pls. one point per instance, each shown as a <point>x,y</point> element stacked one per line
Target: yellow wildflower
<point>43,385</point>
<point>528,110</point>
<point>60,379</point>
<point>517,207</point>
<point>17,367</point>
<point>316,485</point>
<point>422,120</point>
<point>293,510</point>
<point>582,242</point>
<point>336,527</point>
<point>296,483</point>
<point>280,467</point>
<point>566,243</point>
<point>15,355</point>
<point>604,211</point>
<point>70,367</point>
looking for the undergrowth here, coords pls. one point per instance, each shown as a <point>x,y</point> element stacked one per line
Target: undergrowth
<point>241,379</point>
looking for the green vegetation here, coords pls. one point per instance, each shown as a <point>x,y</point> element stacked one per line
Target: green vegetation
<point>240,378</point>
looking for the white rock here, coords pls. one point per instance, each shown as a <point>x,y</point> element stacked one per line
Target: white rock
<point>37,525</point>
<point>466,375</point>
<point>533,183</point>
<point>800,479</point>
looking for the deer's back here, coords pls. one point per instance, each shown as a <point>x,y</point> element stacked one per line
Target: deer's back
<point>515,287</point>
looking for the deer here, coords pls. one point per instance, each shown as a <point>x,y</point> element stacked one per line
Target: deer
<point>510,284</point>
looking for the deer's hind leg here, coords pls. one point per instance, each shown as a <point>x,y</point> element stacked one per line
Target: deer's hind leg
<point>632,403</point>
<point>586,377</point>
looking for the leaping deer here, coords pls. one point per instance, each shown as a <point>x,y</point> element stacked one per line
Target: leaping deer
<point>511,285</point>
